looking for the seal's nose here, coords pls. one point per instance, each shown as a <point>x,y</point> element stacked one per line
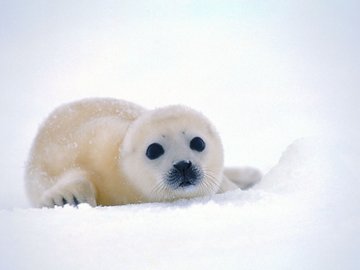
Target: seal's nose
<point>182,166</point>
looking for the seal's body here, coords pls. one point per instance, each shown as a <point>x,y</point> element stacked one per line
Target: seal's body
<point>111,152</point>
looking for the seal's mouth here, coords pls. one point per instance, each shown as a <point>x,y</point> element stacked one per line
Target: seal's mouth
<point>186,184</point>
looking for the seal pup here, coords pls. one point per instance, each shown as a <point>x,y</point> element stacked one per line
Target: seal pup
<point>105,151</point>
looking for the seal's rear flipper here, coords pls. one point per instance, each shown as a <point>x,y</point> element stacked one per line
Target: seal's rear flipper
<point>243,177</point>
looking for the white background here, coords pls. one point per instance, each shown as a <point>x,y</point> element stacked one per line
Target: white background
<point>265,72</point>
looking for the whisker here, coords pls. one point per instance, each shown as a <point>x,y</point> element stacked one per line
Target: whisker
<point>158,188</point>
<point>213,182</point>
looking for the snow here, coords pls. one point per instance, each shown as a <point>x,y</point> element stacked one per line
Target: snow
<point>299,217</point>
<point>267,73</point>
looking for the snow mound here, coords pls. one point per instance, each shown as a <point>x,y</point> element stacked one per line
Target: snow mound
<point>303,215</point>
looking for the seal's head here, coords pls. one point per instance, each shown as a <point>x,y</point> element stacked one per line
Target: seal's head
<point>172,153</point>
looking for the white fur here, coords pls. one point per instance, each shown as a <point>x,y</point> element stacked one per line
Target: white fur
<point>94,150</point>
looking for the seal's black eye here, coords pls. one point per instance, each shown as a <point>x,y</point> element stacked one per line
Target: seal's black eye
<point>197,144</point>
<point>154,151</point>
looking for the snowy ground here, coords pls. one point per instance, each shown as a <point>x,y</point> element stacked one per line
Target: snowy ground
<point>299,217</point>
<point>266,72</point>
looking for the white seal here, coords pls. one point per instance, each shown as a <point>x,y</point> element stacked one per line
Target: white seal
<point>112,152</point>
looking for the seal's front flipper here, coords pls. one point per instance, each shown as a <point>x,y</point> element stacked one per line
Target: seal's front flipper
<point>71,188</point>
